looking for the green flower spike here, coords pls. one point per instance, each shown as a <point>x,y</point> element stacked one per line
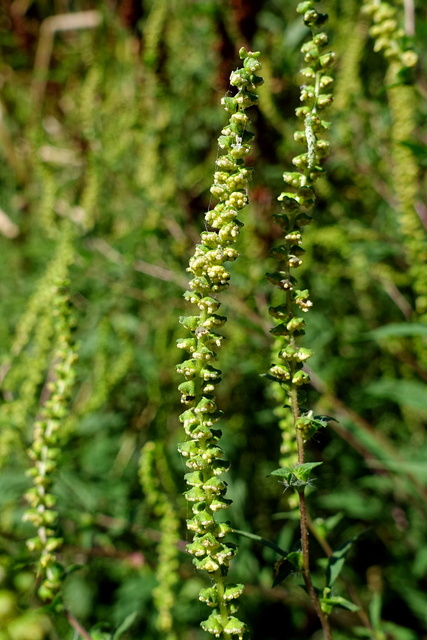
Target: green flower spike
<point>45,452</point>
<point>297,204</point>
<point>203,455</point>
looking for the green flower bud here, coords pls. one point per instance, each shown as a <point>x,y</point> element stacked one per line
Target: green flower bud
<point>302,7</point>
<point>213,625</point>
<point>300,378</point>
<point>215,485</point>
<point>235,627</point>
<point>295,324</point>
<point>188,391</point>
<point>233,591</point>
<point>188,368</point>
<point>219,503</point>
<point>293,178</point>
<point>196,549</point>
<point>327,61</point>
<point>196,494</point>
<point>194,479</point>
<point>209,596</point>
<point>205,405</point>
<point>188,449</point>
<point>219,466</point>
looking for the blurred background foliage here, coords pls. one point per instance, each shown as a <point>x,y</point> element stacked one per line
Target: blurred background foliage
<point>108,127</point>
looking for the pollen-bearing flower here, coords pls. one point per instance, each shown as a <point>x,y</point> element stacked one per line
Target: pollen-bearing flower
<point>203,455</point>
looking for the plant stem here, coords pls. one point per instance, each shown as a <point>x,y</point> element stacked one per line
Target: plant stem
<point>305,547</point>
<point>223,609</point>
<point>306,567</point>
<point>363,616</point>
<point>77,626</point>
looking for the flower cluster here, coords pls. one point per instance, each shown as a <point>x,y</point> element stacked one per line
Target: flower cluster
<point>391,40</point>
<point>204,457</point>
<point>296,205</point>
<point>45,452</point>
<point>389,37</point>
<point>152,468</point>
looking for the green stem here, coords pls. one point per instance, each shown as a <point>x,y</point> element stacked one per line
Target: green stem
<point>304,525</point>
<point>306,567</point>
<point>223,609</point>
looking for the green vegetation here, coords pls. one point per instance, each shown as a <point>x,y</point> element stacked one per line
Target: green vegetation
<point>309,428</point>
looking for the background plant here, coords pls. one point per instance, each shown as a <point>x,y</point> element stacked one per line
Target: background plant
<point>124,148</point>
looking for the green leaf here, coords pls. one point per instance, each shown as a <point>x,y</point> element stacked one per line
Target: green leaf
<point>286,566</point>
<point>301,471</point>
<point>126,624</point>
<point>408,393</point>
<point>296,476</point>
<point>338,601</point>
<point>398,632</point>
<point>375,607</point>
<point>266,543</point>
<point>399,329</point>
<point>337,559</point>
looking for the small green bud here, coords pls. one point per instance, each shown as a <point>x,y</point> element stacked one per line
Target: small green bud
<point>45,593</point>
<point>302,7</point>
<point>303,354</point>
<point>189,322</point>
<point>188,449</point>
<point>196,549</point>
<point>196,494</point>
<point>296,324</point>
<point>194,479</point>
<point>235,627</point>
<point>280,373</point>
<point>219,503</point>
<point>206,564</point>
<point>324,100</point>
<point>327,60</point>
<point>293,178</point>
<point>321,39</point>
<point>219,466</point>
<point>204,354</point>
<point>300,378</point>
<point>288,201</point>
<point>213,625</point>
<point>215,485</point>
<point>188,390</point>
<point>188,368</point>
<point>205,405</point>
<point>233,591</point>
<point>209,596</point>
<point>204,518</point>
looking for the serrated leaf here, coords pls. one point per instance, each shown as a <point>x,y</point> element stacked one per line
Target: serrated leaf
<point>297,476</point>
<point>301,471</point>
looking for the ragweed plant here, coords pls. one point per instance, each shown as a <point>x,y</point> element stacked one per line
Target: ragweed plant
<point>206,494</point>
<point>297,204</point>
<point>151,462</point>
<point>45,451</point>
<point>390,39</point>
<point>23,369</point>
